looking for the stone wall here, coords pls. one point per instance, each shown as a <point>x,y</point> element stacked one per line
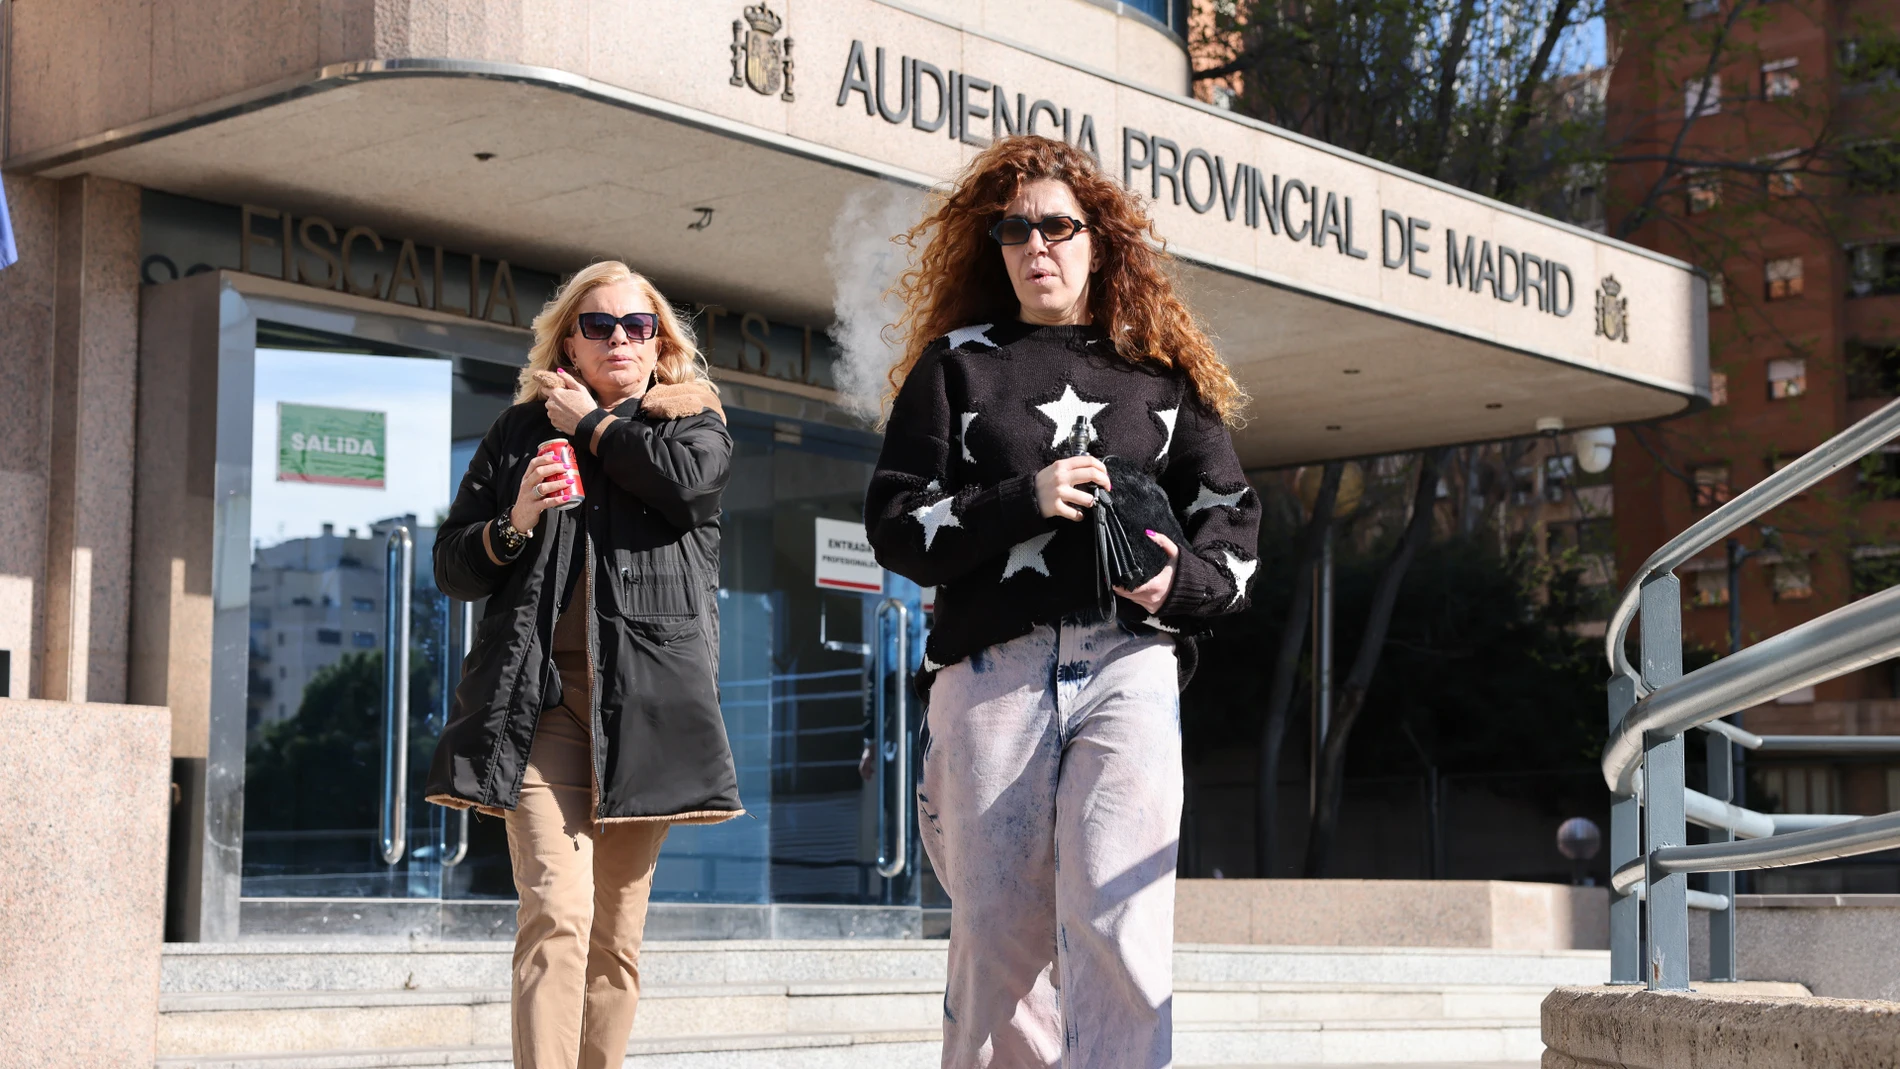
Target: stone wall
<point>82,882</point>
<point>1400,913</point>
<point>1841,946</point>
<point>1632,1028</point>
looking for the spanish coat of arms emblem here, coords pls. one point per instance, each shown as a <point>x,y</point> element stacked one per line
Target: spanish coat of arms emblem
<point>1613,310</point>
<point>758,58</point>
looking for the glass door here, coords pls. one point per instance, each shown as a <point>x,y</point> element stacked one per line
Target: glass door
<point>353,651</point>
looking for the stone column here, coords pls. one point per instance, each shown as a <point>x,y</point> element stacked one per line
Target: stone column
<point>91,419</point>
<point>26,358</point>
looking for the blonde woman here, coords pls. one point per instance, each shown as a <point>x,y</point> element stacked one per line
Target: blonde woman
<point>588,715</point>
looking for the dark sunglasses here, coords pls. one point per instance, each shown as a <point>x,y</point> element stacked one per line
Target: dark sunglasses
<point>599,326</point>
<point>1014,229</point>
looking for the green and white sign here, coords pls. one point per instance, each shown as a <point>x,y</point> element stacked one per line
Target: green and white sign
<point>335,446</point>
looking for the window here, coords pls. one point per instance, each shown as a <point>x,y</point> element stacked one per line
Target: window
<point>1711,588</point>
<point>1803,788</point>
<point>1872,167</point>
<point>1223,97</point>
<point>1792,579</point>
<point>280,638</point>
<point>363,604</point>
<point>1718,290</point>
<point>1787,378</point>
<point>1704,190</point>
<point>1873,370</point>
<point>1718,388</point>
<point>363,640</point>
<point>1702,97</point>
<point>1873,270</point>
<point>1784,180</point>
<point>1701,9</point>
<point>1879,473</point>
<point>328,637</point>
<point>1711,485</point>
<point>1778,79</point>
<point>1783,278</point>
<point>1874,569</point>
<point>1558,471</point>
<point>1871,62</point>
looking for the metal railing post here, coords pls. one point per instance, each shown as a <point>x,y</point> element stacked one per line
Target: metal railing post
<point>1626,845</point>
<point>1721,786</point>
<point>892,760</point>
<point>1666,903</point>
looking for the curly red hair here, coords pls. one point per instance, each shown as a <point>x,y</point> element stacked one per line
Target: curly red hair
<point>957,278</point>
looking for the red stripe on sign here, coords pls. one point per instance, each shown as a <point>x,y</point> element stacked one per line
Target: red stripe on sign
<point>849,585</point>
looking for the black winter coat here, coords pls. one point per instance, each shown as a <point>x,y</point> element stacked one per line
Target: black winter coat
<point>650,526</point>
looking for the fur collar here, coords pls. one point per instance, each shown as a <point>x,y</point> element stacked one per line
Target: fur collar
<point>681,399</point>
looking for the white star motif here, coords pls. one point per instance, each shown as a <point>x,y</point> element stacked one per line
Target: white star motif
<point>1155,622</point>
<point>934,517</point>
<point>1208,499</point>
<point>963,436</point>
<point>1068,408</point>
<point>930,665</point>
<point>1241,570</point>
<point>1027,555</point>
<point>1167,417</point>
<point>932,486</point>
<point>963,336</point>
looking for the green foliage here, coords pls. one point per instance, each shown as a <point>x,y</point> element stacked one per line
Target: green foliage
<point>322,768</point>
<point>1469,91</point>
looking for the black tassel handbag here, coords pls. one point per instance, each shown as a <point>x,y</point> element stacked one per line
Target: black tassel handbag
<point>1125,556</point>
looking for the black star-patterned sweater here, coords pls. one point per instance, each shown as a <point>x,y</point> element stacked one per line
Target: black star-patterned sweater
<point>952,503</point>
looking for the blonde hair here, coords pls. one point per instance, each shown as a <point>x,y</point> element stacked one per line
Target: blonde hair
<point>680,360</point>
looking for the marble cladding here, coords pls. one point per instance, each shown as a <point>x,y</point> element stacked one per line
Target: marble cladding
<point>26,355</point>
<point>91,422</point>
<point>1392,913</point>
<point>82,882</point>
<point>87,66</point>
<point>1839,946</point>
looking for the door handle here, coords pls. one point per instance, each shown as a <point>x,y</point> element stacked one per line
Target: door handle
<point>399,572</point>
<point>891,864</point>
<point>450,859</point>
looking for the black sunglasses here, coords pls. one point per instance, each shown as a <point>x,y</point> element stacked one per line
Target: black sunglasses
<point>599,326</point>
<point>1014,229</point>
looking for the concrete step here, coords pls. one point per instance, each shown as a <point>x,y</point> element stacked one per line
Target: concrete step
<point>835,1003</point>
<point>1196,1046</point>
<point>205,1023</point>
<point>889,1049</point>
<point>385,965</point>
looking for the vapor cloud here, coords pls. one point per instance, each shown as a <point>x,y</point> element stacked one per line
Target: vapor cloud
<point>864,263</point>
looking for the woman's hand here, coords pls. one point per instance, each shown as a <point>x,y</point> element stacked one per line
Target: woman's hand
<point>1058,486</point>
<point>1152,593</point>
<point>544,477</point>
<point>567,400</point>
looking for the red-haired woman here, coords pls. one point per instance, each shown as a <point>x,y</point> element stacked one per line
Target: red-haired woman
<point>1050,796</point>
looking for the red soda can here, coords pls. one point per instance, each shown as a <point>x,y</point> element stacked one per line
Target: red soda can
<point>562,450</point>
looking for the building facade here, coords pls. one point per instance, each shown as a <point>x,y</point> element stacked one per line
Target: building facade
<point>1765,155</point>
<point>277,266</point>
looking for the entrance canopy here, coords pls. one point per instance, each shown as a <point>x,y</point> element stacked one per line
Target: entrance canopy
<point>1366,309</point>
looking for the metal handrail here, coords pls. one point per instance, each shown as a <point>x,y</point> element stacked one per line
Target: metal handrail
<point>1864,835</point>
<point>1777,489</point>
<point>1856,635</point>
<point>399,573</point>
<point>891,864</point>
<point>460,853</point>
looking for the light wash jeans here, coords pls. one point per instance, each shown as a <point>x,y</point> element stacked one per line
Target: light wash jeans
<point>1050,803</point>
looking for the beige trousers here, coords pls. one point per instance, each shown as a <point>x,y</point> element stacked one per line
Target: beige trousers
<point>583,890</point>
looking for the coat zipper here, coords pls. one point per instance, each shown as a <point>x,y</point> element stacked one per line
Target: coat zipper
<point>593,683</point>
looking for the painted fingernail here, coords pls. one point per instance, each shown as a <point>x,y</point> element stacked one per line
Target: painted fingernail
<point>1151,532</point>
